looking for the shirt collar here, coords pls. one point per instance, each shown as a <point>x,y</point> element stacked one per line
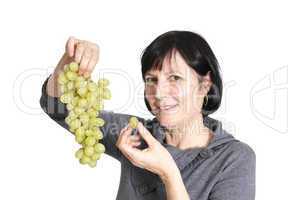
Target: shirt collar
<point>184,157</point>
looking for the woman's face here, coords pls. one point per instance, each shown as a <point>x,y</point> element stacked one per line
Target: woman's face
<point>174,94</point>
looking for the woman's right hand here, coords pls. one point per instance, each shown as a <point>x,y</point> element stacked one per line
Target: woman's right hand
<point>85,53</point>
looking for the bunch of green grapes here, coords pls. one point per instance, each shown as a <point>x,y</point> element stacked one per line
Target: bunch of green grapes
<point>84,100</point>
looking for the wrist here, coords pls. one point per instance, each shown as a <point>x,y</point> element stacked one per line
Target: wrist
<point>170,175</point>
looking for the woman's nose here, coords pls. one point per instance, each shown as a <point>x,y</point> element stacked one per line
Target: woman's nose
<point>162,90</point>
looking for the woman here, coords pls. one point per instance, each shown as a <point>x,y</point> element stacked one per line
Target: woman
<point>181,153</point>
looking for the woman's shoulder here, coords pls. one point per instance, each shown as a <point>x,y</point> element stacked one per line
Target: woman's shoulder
<point>239,151</point>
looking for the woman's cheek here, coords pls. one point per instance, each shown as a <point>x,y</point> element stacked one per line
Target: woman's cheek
<point>186,98</point>
<point>150,97</point>
<point>180,95</point>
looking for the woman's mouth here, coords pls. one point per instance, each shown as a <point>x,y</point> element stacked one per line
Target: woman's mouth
<point>167,108</point>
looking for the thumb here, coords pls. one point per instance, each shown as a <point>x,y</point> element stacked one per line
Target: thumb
<point>145,134</point>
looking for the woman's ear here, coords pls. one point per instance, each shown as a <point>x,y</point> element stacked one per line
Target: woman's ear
<point>205,84</point>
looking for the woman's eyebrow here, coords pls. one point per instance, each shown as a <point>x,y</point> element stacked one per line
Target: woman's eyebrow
<point>149,74</point>
<point>172,72</point>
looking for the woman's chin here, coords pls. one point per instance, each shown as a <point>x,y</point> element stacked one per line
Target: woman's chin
<point>167,121</point>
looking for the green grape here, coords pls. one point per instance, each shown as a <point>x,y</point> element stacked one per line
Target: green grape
<point>85,126</point>
<point>84,100</point>
<point>95,156</point>
<point>97,137</point>
<point>85,159</point>
<point>63,88</point>
<point>133,122</point>
<point>62,79</point>
<point>80,132</point>
<point>74,101</point>
<point>82,91</point>
<point>68,120</point>
<point>70,85</point>
<point>79,139</point>
<point>97,106</point>
<point>89,132</point>
<point>79,153</point>
<point>84,118</point>
<point>71,75</point>
<point>92,87</point>
<point>79,110</point>
<point>75,124</point>
<point>106,94</point>
<point>80,82</point>
<point>96,122</point>
<point>92,113</point>
<point>89,151</point>
<point>97,133</point>
<point>100,148</point>
<point>73,66</point>
<point>70,106</point>
<point>92,163</point>
<point>91,98</point>
<point>103,83</point>
<point>72,115</point>
<point>66,98</point>
<point>90,141</point>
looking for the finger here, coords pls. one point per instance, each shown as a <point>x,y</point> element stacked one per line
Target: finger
<point>85,60</point>
<point>135,137</point>
<point>124,137</point>
<point>133,160</point>
<point>136,156</point>
<point>130,156</point>
<point>70,46</point>
<point>92,63</point>
<point>131,140</point>
<point>120,135</point>
<point>146,135</point>
<point>79,52</point>
<point>168,138</point>
<point>134,143</point>
<point>124,128</point>
<point>127,156</point>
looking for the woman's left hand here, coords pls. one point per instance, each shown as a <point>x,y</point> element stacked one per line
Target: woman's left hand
<point>155,158</point>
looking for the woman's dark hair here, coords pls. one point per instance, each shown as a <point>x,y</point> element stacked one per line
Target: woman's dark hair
<point>198,55</point>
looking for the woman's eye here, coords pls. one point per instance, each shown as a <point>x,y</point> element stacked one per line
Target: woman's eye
<point>175,77</point>
<point>150,80</point>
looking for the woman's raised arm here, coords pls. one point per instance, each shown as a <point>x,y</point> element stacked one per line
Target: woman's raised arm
<point>84,52</point>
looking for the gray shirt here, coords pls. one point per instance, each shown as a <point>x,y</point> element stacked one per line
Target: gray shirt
<point>224,170</point>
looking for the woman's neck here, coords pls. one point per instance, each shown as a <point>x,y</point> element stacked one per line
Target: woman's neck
<point>189,134</point>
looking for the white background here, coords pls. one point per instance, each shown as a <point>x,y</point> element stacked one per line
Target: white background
<point>256,42</point>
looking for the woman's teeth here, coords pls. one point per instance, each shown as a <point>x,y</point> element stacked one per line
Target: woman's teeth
<point>167,107</point>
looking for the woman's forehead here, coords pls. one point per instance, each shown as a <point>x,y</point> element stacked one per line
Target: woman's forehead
<point>174,64</point>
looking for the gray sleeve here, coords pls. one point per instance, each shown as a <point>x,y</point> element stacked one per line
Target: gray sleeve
<point>237,180</point>
<point>114,122</point>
